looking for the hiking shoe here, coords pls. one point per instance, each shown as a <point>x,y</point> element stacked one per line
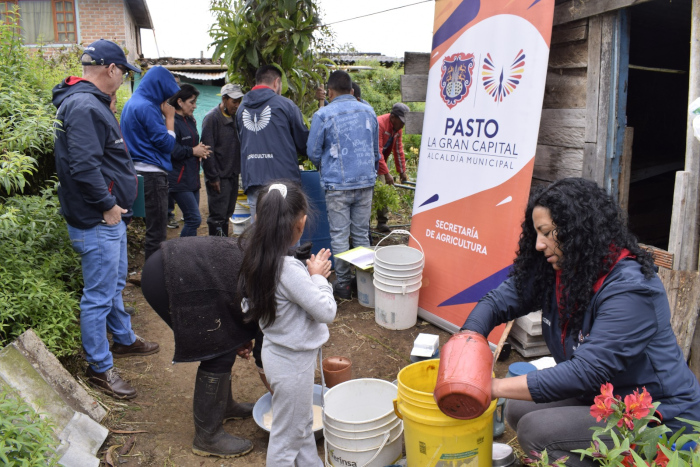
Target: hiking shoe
<point>110,383</point>
<point>383,228</point>
<point>172,223</point>
<point>344,292</point>
<point>140,347</point>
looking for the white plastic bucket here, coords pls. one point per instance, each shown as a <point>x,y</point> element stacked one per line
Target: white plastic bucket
<point>398,257</point>
<point>404,273</point>
<point>397,282</point>
<point>360,405</point>
<point>365,288</point>
<point>355,434</point>
<point>361,425</point>
<point>363,443</point>
<point>389,452</point>
<point>395,311</point>
<point>240,218</point>
<point>398,272</point>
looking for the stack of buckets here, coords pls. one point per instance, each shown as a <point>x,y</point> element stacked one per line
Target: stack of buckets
<point>241,214</point>
<point>398,271</point>
<point>359,424</point>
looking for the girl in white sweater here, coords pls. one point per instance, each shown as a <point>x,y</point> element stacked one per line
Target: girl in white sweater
<point>292,304</point>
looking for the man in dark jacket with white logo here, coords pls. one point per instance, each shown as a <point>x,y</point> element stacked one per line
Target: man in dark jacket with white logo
<point>97,188</point>
<point>272,134</point>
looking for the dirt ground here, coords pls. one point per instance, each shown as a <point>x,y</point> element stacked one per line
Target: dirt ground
<point>156,428</point>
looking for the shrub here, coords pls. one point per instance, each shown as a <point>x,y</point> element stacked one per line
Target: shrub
<point>40,273</point>
<point>25,438</point>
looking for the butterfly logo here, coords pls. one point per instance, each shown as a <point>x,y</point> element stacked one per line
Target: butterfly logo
<point>253,124</point>
<point>500,86</point>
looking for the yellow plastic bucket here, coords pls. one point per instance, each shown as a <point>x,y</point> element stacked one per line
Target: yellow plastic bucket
<point>433,439</point>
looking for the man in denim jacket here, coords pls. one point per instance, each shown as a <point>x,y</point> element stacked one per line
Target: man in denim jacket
<point>343,144</point>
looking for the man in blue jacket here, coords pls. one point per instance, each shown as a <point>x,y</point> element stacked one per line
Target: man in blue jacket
<point>150,141</point>
<point>343,144</point>
<point>97,188</point>
<point>272,134</point>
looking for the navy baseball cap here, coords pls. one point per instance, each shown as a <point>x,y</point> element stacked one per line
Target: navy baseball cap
<point>104,52</point>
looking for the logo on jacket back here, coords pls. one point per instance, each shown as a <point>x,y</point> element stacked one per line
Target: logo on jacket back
<point>456,78</point>
<point>253,123</point>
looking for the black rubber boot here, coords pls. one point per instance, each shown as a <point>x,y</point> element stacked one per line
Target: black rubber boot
<point>236,411</point>
<point>211,394</point>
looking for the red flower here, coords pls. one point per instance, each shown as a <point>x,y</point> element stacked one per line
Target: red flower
<point>627,420</point>
<point>638,405</point>
<point>661,459</point>
<point>602,406</point>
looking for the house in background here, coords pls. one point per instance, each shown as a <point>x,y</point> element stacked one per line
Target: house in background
<point>52,24</point>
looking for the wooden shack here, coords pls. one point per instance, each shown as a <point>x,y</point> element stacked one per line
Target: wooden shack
<point>620,78</point>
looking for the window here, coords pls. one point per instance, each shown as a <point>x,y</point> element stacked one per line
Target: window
<point>64,21</point>
<point>5,7</point>
<point>43,21</point>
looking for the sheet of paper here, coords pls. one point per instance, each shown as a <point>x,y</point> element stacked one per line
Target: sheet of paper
<point>361,257</point>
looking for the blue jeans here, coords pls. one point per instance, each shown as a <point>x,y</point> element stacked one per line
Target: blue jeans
<point>189,205</point>
<point>103,257</point>
<point>348,216</point>
<point>252,195</point>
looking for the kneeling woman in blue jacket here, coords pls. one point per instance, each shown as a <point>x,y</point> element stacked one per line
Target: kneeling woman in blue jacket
<point>605,318</point>
<point>183,180</point>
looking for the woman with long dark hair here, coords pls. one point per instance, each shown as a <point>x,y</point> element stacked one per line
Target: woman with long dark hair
<point>183,180</point>
<point>292,302</point>
<point>605,318</point>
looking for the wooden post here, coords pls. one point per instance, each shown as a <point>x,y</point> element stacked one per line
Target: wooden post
<point>684,236</point>
<point>625,170</point>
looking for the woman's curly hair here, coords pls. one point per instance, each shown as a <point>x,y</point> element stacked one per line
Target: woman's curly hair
<point>590,231</point>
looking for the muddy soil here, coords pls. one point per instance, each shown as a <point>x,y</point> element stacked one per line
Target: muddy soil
<point>157,426</point>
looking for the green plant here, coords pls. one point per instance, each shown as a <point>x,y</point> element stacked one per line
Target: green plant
<point>638,437</point>
<point>385,196</point>
<point>40,274</point>
<point>26,113</point>
<point>252,33</point>
<point>542,460</point>
<point>25,438</point>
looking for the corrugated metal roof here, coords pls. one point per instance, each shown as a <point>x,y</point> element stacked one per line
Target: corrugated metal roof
<point>201,75</point>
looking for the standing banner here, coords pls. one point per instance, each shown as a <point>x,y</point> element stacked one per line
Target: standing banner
<point>482,115</point>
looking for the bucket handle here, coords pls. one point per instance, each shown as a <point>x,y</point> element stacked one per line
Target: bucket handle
<point>405,232</point>
<point>240,221</point>
<point>396,409</point>
<point>387,435</point>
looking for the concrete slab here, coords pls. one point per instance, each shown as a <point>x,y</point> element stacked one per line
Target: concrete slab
<point>524,338</point>
<point>531,352</point>
<point>532,323</point>
<point>29,368</point>
<point>58,377</point>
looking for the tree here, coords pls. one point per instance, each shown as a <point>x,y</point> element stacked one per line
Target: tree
<point>286,33</point>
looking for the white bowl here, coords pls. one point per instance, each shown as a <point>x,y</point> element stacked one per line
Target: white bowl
<point>263,405</point>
